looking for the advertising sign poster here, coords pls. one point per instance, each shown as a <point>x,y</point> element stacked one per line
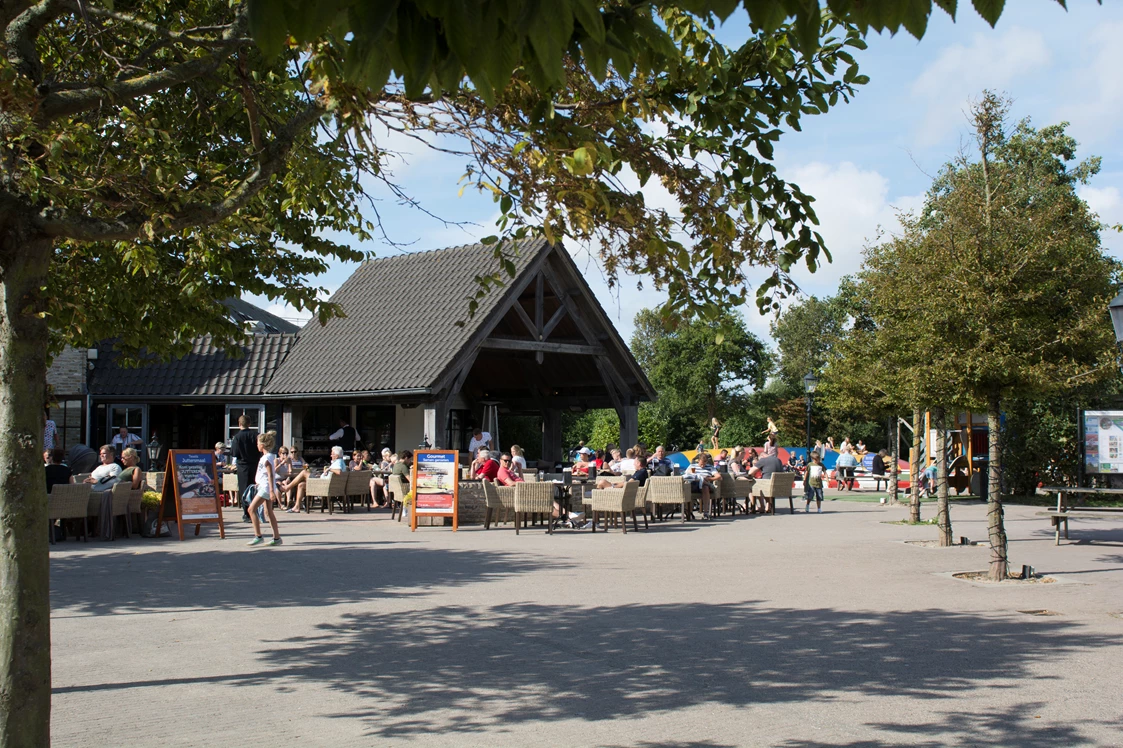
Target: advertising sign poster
<point>190,490</point>
<point>1103,441</point>
<point>435,485</point>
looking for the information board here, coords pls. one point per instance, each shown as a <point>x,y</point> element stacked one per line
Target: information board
<point>435,485</point>
<point>1103,441</point>
<point>190,492</point>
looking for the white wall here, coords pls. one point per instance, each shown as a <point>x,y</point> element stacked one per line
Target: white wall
<point>409,428</point>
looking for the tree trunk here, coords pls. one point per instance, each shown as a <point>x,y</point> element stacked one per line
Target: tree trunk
<point>914,464</point>
<point>999,559</point>
<point>943,513</point>
<point>895,435</point>
<point>25,613</point>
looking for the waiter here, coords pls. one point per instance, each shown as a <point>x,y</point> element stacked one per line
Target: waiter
<point>244,448</point>
<point>346,435</point>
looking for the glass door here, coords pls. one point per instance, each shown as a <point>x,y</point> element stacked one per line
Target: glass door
<point>255,414</point>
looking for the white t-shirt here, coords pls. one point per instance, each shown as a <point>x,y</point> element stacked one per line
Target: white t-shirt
<point>521,462</point>
<point>103,474</point>
<point>475,444</point>
<point>262,479</point>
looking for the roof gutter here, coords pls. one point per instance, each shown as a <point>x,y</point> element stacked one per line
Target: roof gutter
<point>411,392</point>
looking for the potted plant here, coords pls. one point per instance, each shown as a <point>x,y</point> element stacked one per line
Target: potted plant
<point>150,513</point>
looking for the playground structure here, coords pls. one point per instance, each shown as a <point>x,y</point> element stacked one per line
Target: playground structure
<point>967,450</point>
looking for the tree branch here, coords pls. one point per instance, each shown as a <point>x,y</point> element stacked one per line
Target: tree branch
<point>21,33</point>
<point>272,161</point>
<point>66,103</point>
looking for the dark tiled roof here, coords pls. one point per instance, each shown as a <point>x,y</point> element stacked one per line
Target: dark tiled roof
<point>207,371</point>
<point>244,312</point>
<point>400,331</point>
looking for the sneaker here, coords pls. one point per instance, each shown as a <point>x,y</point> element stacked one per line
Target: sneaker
<point>820,510</point>
<point>256,541</point>
<point>587,526</point>
<point>273,542</point>
<point>245,518</point>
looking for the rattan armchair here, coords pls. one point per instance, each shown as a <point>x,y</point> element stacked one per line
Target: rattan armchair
<point>743,486</point>
<point>122,495</point>
<point>69,501</point>
<point>328,490</point>
<point>669,491</point>
<point>778,486</point>
<point>534,498</point>
<point>499,502</point>
<point>397,490</point>
<point>613,501</point>
<point>358,487</point>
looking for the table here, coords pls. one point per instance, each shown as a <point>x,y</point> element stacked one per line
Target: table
<point>1066,509</point>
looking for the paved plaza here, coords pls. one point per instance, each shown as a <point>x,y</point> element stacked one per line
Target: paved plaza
<point>804,630</point>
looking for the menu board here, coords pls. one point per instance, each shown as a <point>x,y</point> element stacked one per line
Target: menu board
<point>435,485</point>
<point>1103,441</point>
<point>190,490</point>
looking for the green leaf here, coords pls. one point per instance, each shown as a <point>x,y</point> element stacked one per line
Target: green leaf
<point>267,25</point>
<point>588,14</point>
<point>990,10</point>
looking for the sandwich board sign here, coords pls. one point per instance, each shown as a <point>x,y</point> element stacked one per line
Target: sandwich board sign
<point>435,485</point>
<point>190,492</point>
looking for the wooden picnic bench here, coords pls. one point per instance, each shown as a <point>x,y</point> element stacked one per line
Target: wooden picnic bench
<point>1066,508</point>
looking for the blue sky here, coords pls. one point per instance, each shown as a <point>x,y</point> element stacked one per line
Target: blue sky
<point>864,160</point>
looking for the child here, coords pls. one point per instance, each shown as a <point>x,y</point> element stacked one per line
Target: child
<point>266,485</point>
<point>813,483</point>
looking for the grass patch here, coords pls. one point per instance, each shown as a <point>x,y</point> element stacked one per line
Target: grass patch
<point>928,522</point>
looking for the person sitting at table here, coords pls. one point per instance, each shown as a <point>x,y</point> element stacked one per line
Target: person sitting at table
<point>104,475</point>
<point>628,464</point>
<point>614,463</point>
<point>488,467</point>
<point>844,469</point>
<point>583,465</point>
<point>338,465</point>
<point>57,473</point>
<point>356,461</point>
<point>702,477</point>
<point>281,472</point>
<point>377,482</point>
<point>46,457</point>
<point>639,475</point>
<point>220,460</point>
<point>505,475</point>
<point>292,489</point>
<point>403,469</point>
<point>518,460</point>
<point>659,464</point>
<point>132,473</point>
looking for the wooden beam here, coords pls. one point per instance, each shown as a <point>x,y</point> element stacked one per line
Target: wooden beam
<point>557,317</point>
<point>538,311</point>
<point>511,344</point>
<point>526,320</point>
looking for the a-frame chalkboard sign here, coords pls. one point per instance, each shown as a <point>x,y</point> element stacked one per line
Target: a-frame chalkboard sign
<point>190,492</point>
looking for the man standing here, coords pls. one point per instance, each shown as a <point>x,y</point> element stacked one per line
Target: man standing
<point>346,435</point>
<point>244,448</point>
<point>480,440</point>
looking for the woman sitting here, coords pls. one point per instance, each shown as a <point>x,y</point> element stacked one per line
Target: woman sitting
<point>583,465</point>
<point>518,460</point>
<point>294,488</point>
<point>377,482</point>
<point>132,473</point>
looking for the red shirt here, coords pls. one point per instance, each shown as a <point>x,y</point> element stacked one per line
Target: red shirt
<point>489,470</point>
<point>506,477</point>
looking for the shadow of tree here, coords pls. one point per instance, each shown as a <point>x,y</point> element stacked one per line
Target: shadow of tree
<point>306,574</point>
<point>1014,726</point>
<point>460,669</point>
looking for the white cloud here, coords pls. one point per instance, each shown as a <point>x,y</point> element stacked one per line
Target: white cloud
<point>1092,97</point>
<point>1107,203</point>
<point>993,60</point>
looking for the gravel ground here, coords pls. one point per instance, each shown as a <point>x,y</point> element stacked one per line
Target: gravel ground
<point>792,630</point>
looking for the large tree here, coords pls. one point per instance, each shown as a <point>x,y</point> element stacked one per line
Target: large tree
<point>1021,281</point>
<point>699,367</point>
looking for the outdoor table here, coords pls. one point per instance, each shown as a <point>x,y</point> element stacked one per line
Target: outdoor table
<point>1066,509</point>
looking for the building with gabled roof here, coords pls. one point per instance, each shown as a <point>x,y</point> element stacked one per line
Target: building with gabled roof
<point>406,365</point>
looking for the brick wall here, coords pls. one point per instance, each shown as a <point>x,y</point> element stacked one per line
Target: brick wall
<point>470,504</point>
<point>67,374</point>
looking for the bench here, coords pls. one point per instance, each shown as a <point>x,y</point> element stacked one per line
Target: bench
<point>1065,509</point>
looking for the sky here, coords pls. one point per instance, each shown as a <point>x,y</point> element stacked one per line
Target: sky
<point>863,161</point>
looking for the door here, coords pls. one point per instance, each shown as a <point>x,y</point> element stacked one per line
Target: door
<point>255,413</point>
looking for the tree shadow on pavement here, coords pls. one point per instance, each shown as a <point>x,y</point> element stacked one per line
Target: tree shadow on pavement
<point>1015,726</point>
<point>465,669</point>
<point>307,574</point>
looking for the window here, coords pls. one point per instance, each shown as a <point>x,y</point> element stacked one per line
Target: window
<point>134,417</point>
<point>255,414</point>
<point>67,416</point>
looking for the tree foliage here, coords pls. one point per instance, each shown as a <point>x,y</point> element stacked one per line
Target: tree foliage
<point>805,333</point>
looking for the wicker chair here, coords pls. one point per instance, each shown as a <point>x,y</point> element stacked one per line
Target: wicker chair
<point>358,487</point>
<point>779,486</point>
<point>669,491</point>
<point>641,504</point>
<point>534,498</point>
<point>499,502</point>
<point>733,488</point>
<point>122,496</point>
<point>69,501</point>
<point>136,501</point>
<point>230,488</point>
<point>613,501</point>
<point>328,490</point>
<point>397,491</point>
<point>743,486</point>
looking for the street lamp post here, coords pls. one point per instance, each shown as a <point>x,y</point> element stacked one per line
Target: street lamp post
<point>810,383</point>
<point>1116,310</point>
<point>153,452</point>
